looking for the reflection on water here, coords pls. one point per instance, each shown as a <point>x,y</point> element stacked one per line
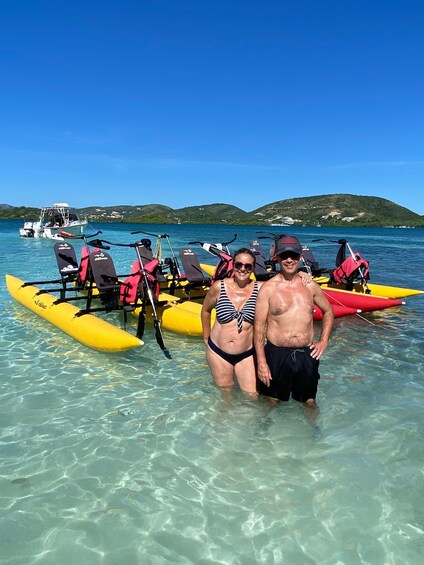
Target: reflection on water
<point>133,458</point>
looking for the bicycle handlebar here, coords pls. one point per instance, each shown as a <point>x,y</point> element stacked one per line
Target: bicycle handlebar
<point>101,243</point>
<point>223,243</point>
<point>152,234</point>
<point>83,236</point>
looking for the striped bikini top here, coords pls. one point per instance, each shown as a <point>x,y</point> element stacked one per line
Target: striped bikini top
<point>226,312</point>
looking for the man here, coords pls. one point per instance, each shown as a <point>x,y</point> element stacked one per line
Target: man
<point>288,362</point>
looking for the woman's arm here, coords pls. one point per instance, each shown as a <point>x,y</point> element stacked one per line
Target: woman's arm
<point>209,304</point>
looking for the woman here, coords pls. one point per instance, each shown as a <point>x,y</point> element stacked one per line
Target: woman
<point>229,349</point>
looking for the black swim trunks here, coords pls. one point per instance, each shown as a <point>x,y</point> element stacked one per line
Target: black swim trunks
<point>293,370</point>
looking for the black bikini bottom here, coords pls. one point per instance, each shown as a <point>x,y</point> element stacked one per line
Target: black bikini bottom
<point>229,357</point>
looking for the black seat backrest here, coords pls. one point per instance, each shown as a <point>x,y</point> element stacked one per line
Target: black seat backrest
<point>145,252</point>
<point>145,255</point>
<point>103,271</point>
<point>310,264</point>
<point>262,272</point>
<point>66,260</point>
<point>191,267</point>
<point>341,253</point>
<point>309,260</point>
<point>257,249</point>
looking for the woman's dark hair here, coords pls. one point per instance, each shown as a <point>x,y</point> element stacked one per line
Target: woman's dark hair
<point>246,251</point>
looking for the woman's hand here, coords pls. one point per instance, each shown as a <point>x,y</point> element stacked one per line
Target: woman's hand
<point>306,277</point>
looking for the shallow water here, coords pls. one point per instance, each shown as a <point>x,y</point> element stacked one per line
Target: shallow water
<point>136,459</point>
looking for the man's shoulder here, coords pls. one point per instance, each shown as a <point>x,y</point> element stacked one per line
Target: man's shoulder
<point>268,284</point>
<point>270,281</point>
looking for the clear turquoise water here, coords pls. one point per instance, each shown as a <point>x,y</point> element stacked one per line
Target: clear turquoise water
<point>136,459</point>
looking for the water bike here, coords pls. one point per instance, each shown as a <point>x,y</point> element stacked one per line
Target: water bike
<point>94,283</point>
<point>174,312</point>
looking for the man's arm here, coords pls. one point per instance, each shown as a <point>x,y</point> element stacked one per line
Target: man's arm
<point>318,347</point>
<point>261,316</point>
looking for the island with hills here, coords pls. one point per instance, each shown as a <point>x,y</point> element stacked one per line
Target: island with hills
<point>324,210</point>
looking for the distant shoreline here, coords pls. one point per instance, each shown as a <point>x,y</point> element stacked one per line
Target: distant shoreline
<point>258,226</point>
<point>338,210</point>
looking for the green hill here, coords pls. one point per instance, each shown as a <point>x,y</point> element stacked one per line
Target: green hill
<point>325,210</point>
<point>339,209</point>
<point>147,213</point>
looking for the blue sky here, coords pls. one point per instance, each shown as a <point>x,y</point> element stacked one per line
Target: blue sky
<point>182,102</point>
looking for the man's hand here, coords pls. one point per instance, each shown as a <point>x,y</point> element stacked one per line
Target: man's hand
<point>318,348</point>
<point>264,374</point>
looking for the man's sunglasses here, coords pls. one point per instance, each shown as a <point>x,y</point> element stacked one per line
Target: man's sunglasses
<point>287,254</point>
<point>247,266</point>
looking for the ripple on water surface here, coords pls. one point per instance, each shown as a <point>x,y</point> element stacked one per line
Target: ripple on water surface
<point>134,458</point>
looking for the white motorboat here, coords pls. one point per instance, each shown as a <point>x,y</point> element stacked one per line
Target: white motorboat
<point>56,222</point>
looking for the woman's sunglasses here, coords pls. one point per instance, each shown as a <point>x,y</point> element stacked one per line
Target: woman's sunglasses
<point>247,266</point>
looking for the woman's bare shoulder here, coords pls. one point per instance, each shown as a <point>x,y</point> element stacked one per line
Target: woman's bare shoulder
<point>215,289</point>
